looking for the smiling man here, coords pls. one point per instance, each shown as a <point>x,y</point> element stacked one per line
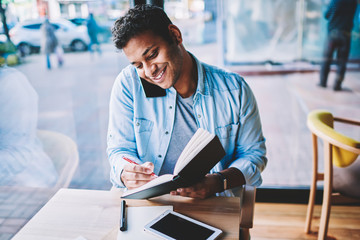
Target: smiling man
<point>164,96</point>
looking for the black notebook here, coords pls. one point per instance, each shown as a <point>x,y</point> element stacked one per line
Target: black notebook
<point>200,155</point>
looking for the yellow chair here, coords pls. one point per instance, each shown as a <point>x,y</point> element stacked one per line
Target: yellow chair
<point>339,150</point>
<point>63,152</point>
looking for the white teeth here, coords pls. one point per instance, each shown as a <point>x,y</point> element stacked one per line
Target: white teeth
<point>160,75</point>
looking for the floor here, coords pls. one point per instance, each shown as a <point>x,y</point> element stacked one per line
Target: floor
<point>287,221</point>
<point>74,100</point>
<point>18,205</point>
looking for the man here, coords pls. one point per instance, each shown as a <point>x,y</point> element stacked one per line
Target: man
<point>340,16</point>
<point>164,96</point>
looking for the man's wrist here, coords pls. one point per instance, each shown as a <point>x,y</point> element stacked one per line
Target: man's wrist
<point>223,181</point>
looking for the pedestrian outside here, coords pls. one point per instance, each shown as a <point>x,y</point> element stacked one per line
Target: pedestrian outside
<point>50,43</point>
<point>340,16</point>
<point>93,30</point>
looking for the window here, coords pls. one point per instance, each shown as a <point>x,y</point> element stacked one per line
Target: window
<point>33,26</point>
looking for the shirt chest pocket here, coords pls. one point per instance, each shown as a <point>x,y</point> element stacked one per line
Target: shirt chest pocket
<point>228,131</point>
<point>228,136</point>
<point>143,129</point>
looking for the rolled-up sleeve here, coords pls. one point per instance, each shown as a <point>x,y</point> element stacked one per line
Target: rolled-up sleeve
<point>250,151</point>
<point>120,138</point>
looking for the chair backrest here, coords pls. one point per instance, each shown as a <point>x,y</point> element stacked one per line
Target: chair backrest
<point>345,149</point>
<point>63,152</point>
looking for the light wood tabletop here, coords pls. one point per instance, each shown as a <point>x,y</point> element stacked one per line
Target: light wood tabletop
<point>94,214</point>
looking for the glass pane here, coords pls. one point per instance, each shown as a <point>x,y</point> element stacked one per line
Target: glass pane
<point>355,39</point>
<point>314,30</point>
<point>257,31</point>
<point>260,30</point>
<point>251,31</point>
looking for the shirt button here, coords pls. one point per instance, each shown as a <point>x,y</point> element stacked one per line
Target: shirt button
<point>166,132</point>
<point>199,116</point>
<point>137,124</point>
<point>159,156</point>
<point>170,107</point>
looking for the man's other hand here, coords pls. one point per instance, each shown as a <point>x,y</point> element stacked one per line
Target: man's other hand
<point>206,188</point>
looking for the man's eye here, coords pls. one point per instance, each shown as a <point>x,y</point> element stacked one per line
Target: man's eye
<point>153,54</point>
<point>139,66</point>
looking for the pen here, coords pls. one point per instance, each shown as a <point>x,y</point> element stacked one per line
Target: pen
<point>131,161</point>
<point>123,216</point>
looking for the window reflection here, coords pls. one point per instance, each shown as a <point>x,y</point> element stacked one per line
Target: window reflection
<point>22,159</point>
<point>256,31</point>
<point>73,100</point>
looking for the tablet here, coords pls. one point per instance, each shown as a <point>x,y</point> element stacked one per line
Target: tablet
<point>173,225</point>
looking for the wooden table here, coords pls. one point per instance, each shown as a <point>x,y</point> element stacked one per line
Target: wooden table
<point>95,214</point>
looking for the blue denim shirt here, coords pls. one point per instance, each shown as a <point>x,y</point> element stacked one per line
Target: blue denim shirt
<point>140,127</point>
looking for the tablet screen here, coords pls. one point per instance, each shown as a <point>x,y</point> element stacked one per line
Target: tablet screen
<point>180,228</point>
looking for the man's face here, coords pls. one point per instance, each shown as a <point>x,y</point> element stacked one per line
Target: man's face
<point>156,60</point>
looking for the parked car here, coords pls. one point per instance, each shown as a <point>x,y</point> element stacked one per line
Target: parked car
<point>27,36</point>
<point>104,34</point>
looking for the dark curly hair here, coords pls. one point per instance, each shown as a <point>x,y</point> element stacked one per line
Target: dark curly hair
<point>139,19</point>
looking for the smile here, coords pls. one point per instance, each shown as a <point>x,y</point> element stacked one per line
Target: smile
<point>159,76</point>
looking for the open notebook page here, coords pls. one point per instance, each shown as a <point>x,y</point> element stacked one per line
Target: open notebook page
<point>188,148</point>
<point>193,148</point>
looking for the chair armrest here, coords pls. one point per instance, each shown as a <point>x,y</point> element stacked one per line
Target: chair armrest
<point>348,121</point>
<point>247,209</point>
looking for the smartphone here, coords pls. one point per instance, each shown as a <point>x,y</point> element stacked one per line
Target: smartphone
<point>171,225</point>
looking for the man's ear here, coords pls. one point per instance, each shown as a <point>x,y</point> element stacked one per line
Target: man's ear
<point>175,34</point>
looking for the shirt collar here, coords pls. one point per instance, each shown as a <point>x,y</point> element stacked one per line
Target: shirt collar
<point>202,84</point>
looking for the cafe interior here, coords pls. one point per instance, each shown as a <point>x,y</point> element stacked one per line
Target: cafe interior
<point>310,185</point>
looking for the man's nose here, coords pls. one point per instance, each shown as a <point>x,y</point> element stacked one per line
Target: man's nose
<point>150,70</point>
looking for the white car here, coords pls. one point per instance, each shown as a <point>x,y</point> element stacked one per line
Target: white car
<point>27,37</point>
